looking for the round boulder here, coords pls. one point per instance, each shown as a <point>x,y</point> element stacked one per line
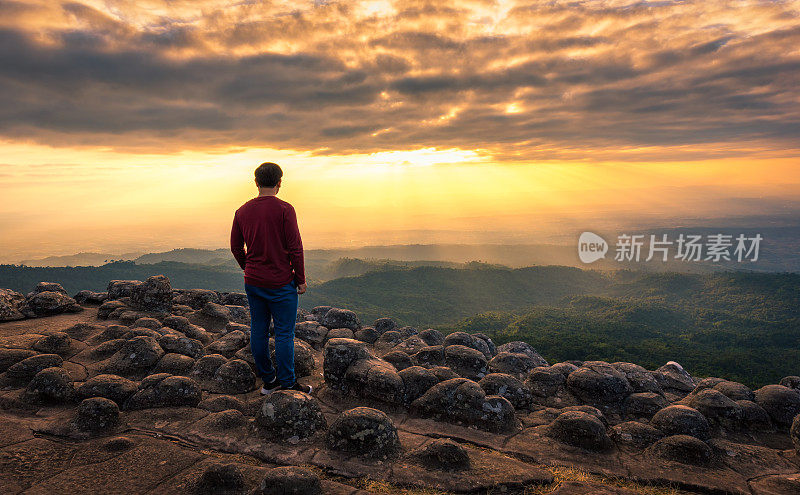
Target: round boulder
<point>147,322</point>
<point>383,325</point>
<point>735,390</point>
<point>635,434</point>
<point>685,449</point>
<point>443,454</point>
<point>364,431</point>
<point>165,391</point>
<point>337,357</point>
<point>466,361</point>
<point>155,294</point>
<point>136,355</point>
<point>311,332</point>
<point>467,340</point>
<point>375,378</point>
<point>289,413</point>
<point>228,344</point>
<point>343,333</point>
<point>429,356</point>
<point>443,373</point>
<point>215,310</point>
<point>48,304</point>
<point>117,289</point>
<point>432,336</point>
<point>598,383</point>
<point>26,369</point>
<point>754,417</point>
<point>234,377</point>
<point>411,345</point>
<point>512,363</point>
<point>113,387</point>
<point>206,366</point>
<point>220,479</point>
<point>289,480</point>
<point>317,312</point>
<point>781,403</point>
<point>398,359</point>
<point>55,343</point>
<point>97,414</point>
<point>9,305</point>
<point>523,348</point>
<point>580,429</point>
<point>715,406</point>
<point>174,364</point>
<point>181,345</point>
<point>50,385</point>
<point>640,379</point>
<point>462,401</point>
<point>416,381</point>
<point>10,357</point>
<point>340,318</point>
<point>673,377</point>
<point>388,340</point>
<point>367,334</point>
<point>222,403</point>
<point>792,381</point>
<point>108,307</point>
<point>682,420</point>
<point>546,381</point>
<point>643,405</point>
<point>509,387</point>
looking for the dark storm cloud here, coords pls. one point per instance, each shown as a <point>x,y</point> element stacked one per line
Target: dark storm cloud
<point>538,80</point>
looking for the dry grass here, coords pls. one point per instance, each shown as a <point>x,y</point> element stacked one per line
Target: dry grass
<point>386,488</point>
<point>562,474</point>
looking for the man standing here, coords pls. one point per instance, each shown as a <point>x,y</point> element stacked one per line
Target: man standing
<point>273,276</point>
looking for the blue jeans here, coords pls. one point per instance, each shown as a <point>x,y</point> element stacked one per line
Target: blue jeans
<point>281,305</point>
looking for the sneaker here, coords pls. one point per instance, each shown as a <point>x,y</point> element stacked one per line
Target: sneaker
<point>270,387</point>
<point>306,389</point>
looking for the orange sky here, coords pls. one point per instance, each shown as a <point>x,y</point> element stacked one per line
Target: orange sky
<point>135,126</point>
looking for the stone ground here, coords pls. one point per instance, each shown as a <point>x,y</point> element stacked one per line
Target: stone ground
<point>166,449</point>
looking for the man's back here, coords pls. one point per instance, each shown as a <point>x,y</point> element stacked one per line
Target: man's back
<point>274,256</point>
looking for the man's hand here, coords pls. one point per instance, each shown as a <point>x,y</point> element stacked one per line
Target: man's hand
<point>301,288</point>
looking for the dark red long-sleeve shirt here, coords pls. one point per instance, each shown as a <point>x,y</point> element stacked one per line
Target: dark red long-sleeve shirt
<point>274,256</point>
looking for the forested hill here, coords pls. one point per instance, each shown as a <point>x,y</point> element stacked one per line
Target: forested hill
<point>741,325</point>
<point>438,295</point>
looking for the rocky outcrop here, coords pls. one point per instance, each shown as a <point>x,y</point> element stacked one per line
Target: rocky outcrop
<point>10,303</point>
<point>425,411</point>
<point>48,303</point>
<point>154,294</point>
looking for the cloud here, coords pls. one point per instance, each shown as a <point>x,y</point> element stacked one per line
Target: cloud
<point>583,80</point>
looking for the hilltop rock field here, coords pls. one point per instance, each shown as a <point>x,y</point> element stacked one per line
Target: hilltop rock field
<point>146,388</point>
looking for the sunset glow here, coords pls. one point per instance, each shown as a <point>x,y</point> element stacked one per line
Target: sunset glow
<point>128,126</point>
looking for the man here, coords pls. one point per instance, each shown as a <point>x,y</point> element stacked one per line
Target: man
<point>273,276</point>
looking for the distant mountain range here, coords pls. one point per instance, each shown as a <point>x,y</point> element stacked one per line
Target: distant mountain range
<point>779,252</point>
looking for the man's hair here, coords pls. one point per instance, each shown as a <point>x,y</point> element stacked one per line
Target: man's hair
<point>268,174</point>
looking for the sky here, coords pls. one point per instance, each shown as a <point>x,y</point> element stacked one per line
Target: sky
<point>136,125</point>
